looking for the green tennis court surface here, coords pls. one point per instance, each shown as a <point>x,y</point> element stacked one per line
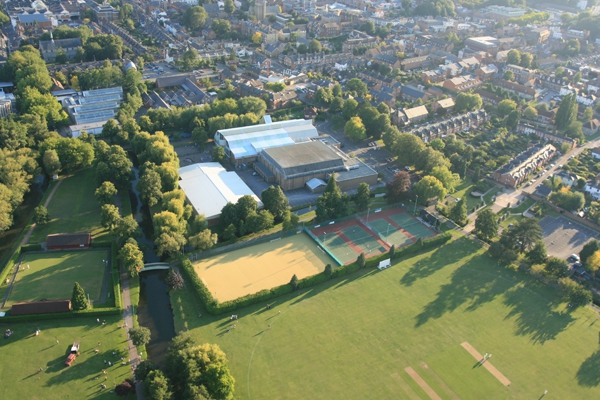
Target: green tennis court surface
<point>363,239</point>
<point>389,233</point>
<point>411,225</point>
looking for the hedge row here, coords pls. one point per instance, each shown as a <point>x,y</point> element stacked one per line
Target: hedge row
<point>8,268</point>
<point>214,307</point>
<point>94,312</point>
<point>31,247</point>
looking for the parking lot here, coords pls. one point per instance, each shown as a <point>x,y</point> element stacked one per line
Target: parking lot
<point>564,237</point>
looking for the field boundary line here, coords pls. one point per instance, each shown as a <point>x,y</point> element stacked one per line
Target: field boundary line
<point>488,365</point>
<point>440,381</point>
<point>417,378</point>
<point>406,387</point>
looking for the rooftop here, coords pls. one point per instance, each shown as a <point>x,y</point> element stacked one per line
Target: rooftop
<point>304,157</point>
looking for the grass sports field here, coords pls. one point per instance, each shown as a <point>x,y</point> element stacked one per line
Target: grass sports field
<point>73,209</point>
<point>378,334</point>
<point>51,275</point>
<point>24,353</point>
<point>263,266</point>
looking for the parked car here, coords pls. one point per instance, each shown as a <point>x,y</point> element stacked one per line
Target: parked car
<point>73,354</point>
<point>574,257</point>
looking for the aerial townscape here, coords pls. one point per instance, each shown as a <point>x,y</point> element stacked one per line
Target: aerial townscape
<point>265,199</point>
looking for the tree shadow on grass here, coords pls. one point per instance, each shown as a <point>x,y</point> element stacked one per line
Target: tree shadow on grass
<point>439,259</point>
<point>534,315</point>
<point>589,372</point>
<point>465,286</point>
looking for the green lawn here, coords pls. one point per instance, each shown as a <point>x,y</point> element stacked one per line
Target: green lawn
<point>463,191</point>
<point>353,337</point>
<point>24,353</point>
<point>73,209</point>
<point>51,275</point>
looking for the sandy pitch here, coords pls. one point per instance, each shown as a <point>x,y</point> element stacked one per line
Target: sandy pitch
<point>263,266</point>
<point>488,365</point>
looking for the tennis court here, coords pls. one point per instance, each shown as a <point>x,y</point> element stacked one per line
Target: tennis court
<point>390,233</point>
<point>408,223</point>
<point>348,239</point>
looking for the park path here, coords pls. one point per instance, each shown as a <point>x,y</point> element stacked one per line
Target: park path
<point>128,319</point>
<point>30,231</point>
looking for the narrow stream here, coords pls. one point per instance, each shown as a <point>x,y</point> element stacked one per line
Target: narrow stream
<point>154,309</point>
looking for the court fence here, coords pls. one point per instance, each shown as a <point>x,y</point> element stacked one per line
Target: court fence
<point>323,246</point>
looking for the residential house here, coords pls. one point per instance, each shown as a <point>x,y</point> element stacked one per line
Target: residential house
<point>409,116</point>
<point>50,48</point>
<point>591,127</point>
<point>414,94</point>
<point>488,97</point>
<point>463,83</point>
<point>544,134</point>
<point>522,75</point>
<point>567,178</point>
<point>593,187</point>
<point>518,169</point>
<point>522,91</point>
<point>445,104</point>
<point>451,125</point>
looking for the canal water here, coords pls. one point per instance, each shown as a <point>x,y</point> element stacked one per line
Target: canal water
<point>154,309</point>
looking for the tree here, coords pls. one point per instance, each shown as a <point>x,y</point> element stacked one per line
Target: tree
<point>567,111</point>
<point>383,108</point>
<point>253,105</point>
<point>189,60</point>
<point>575,131</point>
<point>449,180</point>
<point>458,213</point>
<point>105,193</point>
<point>357,86</point>
<point>337,104</point>
<point>526,60</point>
<point>51,162</point>
<point>486,225</point>
<point>509,75</point>
<point>132,257</point>
<point>336,90</point>
<point>127,227</point>
<point>218,154</point>
<point>229,7</point>
<point>157,386</point>
<point>194,17</point>
<point>530,113</point>
<point>428,188</point>
<point>294,282</point>
<point>524,234</point>
<point>430,159</point>
<point>467,102</point>
<point>332,203</point>
<point>323,96</point>
<point>275,201</point>
<point>361,260</point>
<point>256,39</point>
<point>572,201</point>
<point>557,267</point>
<point>143,369</point>
<point>230,233</point>
<point>514,57</point>
<point>577,77</point>
<point>140,335</point>
<point>174,280</point>
<point>399,188</point>
<point>79,300</point>
<point>40,215</point>
<point>150,187</point>
<point>203,240</point>
<point>109,216</point>
<point>588,249</point>
<point>362,196</point>
<point>314,46</point>
<point>588,114</point>
<point>408,148</point>
<point>392,252</point>
<point>593,262</point>
<point>512,119</point>
<point>538,254</point>
<point>349,108</point>
<point>221,28</point>
<point>505,107</point>
<point>328,270</point>
<point>437,144</point>
<point>578,295</point>
<point>290,221</point>
<point>355,129</point>
<point>126,387</point>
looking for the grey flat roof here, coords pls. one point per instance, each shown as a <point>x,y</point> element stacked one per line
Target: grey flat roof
<point>304,157</point>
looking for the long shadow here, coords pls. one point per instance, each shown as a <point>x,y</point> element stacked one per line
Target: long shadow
<point>438,260</point>
<point>465,286</point>
<point>534,315</point>
<point>589,372</point>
